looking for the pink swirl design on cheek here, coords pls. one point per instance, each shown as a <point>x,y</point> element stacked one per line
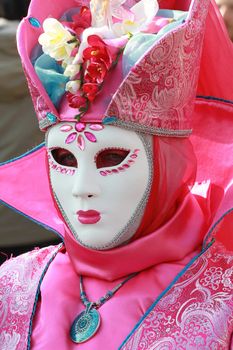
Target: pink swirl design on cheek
<point>123,167</point>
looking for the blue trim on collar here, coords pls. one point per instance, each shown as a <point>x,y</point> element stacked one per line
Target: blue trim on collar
<point>205,242</point>
<point>164,292</point>
<point>24,154</point>
<point>38,293</point>
<point>214,99</point>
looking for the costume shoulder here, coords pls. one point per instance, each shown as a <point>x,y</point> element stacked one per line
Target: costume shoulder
<point>201,299</point>
<point>20,280</point>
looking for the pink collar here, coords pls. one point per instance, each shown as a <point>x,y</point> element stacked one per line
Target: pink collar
<point>182,234</point>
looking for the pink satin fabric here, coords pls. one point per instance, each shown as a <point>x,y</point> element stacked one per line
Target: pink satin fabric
<point>25,187</point>
<point>60,304</point>
<point>159,256</point>
<point>166,244</point>
<point>174,164</point>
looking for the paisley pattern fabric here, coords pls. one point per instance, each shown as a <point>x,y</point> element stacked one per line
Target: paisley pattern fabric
<point>158,94</point>
<point>20,279</point>
<point>42,110</point>
<point>197,312</point>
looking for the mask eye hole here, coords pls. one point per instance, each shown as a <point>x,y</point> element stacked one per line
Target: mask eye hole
<point>110,157</point>
<point>64,157</point>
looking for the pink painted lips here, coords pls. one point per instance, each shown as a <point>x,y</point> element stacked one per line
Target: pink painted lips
<point>88,217</point>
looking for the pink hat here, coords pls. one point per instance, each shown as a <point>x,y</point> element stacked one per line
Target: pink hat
<point>150,87</point>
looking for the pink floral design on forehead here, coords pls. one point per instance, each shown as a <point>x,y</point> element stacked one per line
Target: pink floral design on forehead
<point>76,135</point>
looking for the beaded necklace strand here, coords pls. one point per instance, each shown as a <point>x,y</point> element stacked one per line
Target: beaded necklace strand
<point>87,323</point>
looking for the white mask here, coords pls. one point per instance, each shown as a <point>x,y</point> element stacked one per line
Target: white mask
<point>101,180</point>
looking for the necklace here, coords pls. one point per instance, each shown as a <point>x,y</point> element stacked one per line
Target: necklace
<point>87,323</point>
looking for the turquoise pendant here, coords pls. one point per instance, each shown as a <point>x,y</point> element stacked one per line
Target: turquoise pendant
<point>85,325</point>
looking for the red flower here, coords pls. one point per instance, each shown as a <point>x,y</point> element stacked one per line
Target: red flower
<point>90,90</point>
<point>95,53</point>
<point>76,101</point>
<point>98,50</point>
<point>95,40</point>
<point>95,72</point>
<point>81,20</point>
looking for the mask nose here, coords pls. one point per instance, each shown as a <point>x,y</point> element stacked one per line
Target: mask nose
<point>86,185</point>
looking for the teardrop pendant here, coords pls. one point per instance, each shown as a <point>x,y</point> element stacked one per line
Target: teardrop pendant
<point>85,325</point>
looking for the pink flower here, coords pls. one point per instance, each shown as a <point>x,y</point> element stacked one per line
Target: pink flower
<point>81,132</point>
<point>76,101</point>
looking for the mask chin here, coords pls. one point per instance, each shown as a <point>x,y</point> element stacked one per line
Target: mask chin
<point>101,190</point>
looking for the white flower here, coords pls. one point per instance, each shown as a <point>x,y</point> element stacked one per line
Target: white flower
<point>102,11</point>
<point>128,20</point>
<point>56,39</point>
<point>73,86</point>
<point>67,61</point>
<point>71,70</point>
<point>141,15</point>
